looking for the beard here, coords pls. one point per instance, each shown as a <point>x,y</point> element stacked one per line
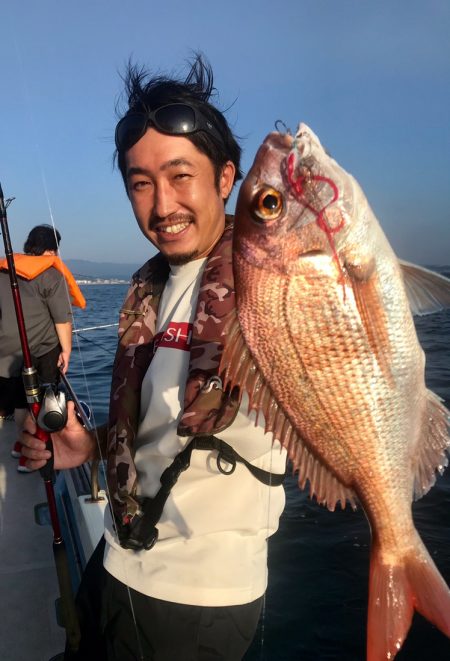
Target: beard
<point>183,258</point>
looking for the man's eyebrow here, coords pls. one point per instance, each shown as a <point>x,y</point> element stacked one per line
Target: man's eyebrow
<point>136,170</point>
<point>175,162</point>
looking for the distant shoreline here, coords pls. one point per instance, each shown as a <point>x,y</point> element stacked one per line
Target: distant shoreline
<point>102,282</point>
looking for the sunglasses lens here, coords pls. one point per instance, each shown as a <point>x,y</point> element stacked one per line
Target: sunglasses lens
<point>129,130</point>
<point>175,119</point>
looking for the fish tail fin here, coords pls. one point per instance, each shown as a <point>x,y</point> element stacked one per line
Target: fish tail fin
<point>395,591</point>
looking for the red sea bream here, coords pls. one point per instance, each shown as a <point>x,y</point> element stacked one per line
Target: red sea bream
<point>325,345</point>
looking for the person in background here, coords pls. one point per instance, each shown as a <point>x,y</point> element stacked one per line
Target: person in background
<point>187,581</point>
<point>44,283</point>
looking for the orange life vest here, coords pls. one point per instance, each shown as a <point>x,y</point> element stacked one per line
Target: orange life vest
<point>30,266</point>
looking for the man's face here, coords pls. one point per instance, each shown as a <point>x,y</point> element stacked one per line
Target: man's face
<point>174,197</point>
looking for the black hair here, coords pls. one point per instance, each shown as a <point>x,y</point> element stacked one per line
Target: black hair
<point>146,92</point>
<point>40,239</point>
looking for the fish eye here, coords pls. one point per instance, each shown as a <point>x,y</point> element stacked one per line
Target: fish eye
<point>267,204</point>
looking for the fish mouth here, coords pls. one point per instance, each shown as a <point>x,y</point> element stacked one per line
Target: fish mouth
<point>279,140</point>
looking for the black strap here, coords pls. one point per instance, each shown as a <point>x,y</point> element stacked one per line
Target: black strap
<point>141,532</point>
<point>225,453</point>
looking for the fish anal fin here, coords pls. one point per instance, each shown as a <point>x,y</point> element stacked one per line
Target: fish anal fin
<point>431,455</point>
<point>426,290</point>
<point>239,369</point>
<point>395,591</point>
<point>323,484</point>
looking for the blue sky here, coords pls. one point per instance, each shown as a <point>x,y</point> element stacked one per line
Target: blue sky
<point>372,79</point>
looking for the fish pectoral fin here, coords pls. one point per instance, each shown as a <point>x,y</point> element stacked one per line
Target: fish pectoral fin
<point>431,455</point>
<point>374,320</point>
<point>236,359</point>
<point>239,369</point>
<point>427,291</point>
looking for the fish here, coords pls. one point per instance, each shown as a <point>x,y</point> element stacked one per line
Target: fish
<point>322,340</point>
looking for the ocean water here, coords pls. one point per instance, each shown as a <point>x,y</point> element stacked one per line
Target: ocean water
<point>315,606</point>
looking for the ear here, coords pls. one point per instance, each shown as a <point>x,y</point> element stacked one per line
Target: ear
<point>227,179</point>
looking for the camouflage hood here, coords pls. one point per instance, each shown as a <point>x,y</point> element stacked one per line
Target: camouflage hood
<point>207,408</point>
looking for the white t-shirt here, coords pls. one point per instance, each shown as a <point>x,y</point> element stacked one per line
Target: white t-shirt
<point>212,544</point>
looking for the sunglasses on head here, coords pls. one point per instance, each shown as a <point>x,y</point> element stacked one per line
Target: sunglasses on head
<point>173,119</point>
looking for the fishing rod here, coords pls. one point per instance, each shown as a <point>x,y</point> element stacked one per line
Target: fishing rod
<point>50,415</point>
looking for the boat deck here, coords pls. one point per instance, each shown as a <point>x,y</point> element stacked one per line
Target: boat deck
<point>28,582</point>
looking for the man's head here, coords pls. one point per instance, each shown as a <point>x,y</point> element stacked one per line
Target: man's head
<point>42,240</point>
<point>179,160</point>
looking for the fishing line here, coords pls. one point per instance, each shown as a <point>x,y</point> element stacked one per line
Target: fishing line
<point>264,606</point>
<point>306,183</point>
<point>97,344</point>
<point>273,440</point>
<point>89,398</point>
<point>89,328</point>
<point>40,168</point>
<point>79,332</point>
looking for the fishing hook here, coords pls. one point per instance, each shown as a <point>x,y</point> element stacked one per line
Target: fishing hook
<point>280,122</point>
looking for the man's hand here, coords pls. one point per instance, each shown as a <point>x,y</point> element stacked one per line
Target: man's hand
<point>64,332</point>
<point>63,361</point>
<point>72,446</point>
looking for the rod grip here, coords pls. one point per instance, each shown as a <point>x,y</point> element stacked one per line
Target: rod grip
<point>47,471</point>
<point>68,608</point>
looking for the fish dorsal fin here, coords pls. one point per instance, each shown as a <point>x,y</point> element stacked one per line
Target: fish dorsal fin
<point>239,369</point>
<point>431,456</point>
<point>427,291</point>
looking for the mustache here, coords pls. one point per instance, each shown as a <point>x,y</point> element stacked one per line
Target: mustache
<point>171,220</point>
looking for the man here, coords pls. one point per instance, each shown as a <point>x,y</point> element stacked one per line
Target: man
<point>186,562</point>
<point>44,283</point>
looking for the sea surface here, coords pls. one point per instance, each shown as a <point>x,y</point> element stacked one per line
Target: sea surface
<point>315,606</point>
